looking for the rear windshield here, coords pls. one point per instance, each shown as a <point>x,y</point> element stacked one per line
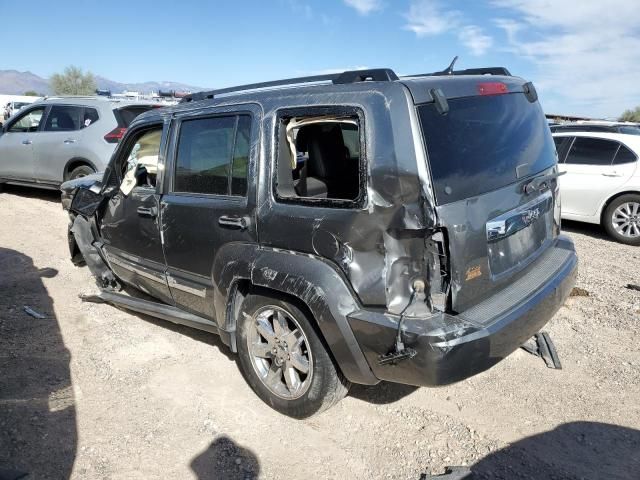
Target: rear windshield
<point>484,143</point>
<point>126,115</point>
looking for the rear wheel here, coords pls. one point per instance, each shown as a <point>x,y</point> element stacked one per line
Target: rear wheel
<point>284,360</point>
<point>80,171</point>
<point>621,219</point>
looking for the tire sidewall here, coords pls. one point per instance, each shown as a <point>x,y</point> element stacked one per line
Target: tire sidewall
<point>608,214</point>
<point>322,367</point>
<point>80,171</point>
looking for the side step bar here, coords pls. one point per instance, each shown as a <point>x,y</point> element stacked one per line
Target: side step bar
<point>154,309</point>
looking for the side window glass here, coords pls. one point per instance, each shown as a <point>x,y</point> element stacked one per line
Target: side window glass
<point>624,155</point>
<point>28,122</point>
<point>141,166</point>
<point>319,158</point>
<point>562,144</point>
<point>592,151</point>
<point>63,118</point>
<point>213,155</point>
<point>90,117</point>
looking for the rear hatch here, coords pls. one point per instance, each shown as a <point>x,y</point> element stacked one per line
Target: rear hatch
<point>124,116</point>
<point>492,160</point>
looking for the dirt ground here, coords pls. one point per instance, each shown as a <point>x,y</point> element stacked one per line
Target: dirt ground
<point>93,392</point>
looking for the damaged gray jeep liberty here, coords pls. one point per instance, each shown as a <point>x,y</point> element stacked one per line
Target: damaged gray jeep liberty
<point>337,229</point>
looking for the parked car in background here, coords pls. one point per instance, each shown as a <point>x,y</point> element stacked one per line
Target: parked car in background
<point>608,127</point>
<point>369,228</point>
<point>62,138</point>
<point>602,181</point>
<point>11,108</point>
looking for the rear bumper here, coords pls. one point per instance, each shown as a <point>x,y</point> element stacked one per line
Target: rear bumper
<point>451,348</point>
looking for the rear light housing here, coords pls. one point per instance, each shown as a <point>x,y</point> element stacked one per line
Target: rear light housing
<point>492,88</point>
<point>115,135</point>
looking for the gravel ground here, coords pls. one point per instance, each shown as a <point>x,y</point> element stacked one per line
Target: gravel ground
<point>93,392</point>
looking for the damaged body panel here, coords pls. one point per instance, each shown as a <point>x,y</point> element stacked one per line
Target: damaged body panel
<point>370,205</point>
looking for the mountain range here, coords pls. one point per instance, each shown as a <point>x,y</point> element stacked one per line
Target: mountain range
<point>13,82</point>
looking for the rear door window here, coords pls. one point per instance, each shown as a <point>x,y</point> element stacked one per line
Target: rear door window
<point>624,155</point>
<point>63,118</point>
<point>592,151</point>
<point>212,155</point>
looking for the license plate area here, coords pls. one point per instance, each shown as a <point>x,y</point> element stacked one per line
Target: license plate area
<point>515,238</point>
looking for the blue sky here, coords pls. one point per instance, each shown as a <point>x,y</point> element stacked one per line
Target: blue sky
<point>584,57</point>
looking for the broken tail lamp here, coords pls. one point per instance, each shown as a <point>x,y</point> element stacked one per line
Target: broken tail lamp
<point>115,135</point>
<point>492,88</point>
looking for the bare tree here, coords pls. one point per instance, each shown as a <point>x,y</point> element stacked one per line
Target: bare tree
<point>73,82</point>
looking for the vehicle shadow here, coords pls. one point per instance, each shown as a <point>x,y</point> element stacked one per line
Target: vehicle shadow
<point>226,459</point>
<point>589,229</point>
<point>572,451</point>
<point>38,433</point>
<point>29,192</point>
<point>382,394</point>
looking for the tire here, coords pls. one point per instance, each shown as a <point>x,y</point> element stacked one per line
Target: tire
<point>81,171</point>
<point>621,219</point>
<point>266,355</point>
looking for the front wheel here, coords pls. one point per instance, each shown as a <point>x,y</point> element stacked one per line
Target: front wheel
<point>621,219</point>
<point>284,360</point>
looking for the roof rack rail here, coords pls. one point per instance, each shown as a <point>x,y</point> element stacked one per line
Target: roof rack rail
<point>350,76</point>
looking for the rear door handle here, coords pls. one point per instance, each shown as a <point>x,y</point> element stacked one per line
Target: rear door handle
<point>26,142</point>
<point>233,222</point>
<point>614,174</point>
<point>150,212</point>
<point>70,140</point>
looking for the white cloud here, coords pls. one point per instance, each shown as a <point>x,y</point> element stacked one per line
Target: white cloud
<point>587,55</point>
<point>365,7</point>
<point>427,17</point>
<point>474,39</point>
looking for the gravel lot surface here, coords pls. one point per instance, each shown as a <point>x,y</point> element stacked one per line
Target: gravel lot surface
<point>93,392</point>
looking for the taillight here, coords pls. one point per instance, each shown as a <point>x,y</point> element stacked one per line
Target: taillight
<point>492,88</point>
<point>115,135</point>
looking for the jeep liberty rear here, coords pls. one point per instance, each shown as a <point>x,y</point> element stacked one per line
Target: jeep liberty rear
<point>370,228</point>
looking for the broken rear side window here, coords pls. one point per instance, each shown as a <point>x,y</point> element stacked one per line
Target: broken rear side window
<point>319,158</point>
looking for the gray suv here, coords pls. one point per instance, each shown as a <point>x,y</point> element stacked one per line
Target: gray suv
<point>337,229</point>
<point>63,138</point>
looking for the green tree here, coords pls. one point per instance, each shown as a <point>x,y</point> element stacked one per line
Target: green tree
<point>630,115</point>
<point>32,93</point>
<point>72,82</point>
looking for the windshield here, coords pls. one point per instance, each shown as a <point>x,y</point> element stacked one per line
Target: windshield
<point>484,143</point>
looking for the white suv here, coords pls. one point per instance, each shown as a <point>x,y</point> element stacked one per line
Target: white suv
<point>602,181</point>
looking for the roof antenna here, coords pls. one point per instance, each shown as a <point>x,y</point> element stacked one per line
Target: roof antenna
<point>449,69</point>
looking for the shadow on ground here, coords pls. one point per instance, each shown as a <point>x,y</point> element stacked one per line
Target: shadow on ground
<point>589,229</point>
<point>37,413</point>
<point>577,450</point>
<point>226,459</point>
<point>29,192</point>
<point>382,394</point>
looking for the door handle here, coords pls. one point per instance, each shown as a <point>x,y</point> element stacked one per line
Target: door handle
<point>611,174</point>
<point>233,222</point>
<point>149,212</point>
<point>69,140</point>
<point>26,142</point>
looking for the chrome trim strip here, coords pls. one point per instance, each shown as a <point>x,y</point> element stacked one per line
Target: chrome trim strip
<point>138,271</point>
<point>173,283</point>
<point>511,222</point>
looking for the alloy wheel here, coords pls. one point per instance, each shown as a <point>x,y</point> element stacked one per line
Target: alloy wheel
<point>626,219</point>
<point>279,352</point>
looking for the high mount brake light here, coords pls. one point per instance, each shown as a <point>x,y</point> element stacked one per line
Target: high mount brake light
<point>492,88</point>
<point>115,135</point>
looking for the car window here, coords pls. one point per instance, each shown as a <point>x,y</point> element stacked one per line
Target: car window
<point>562,145</point>
<point>63,118</point>
<point>141,166</point>
<point>592,151</point>
<point>90,117</point>
<point>212,156</point>
<point>624,155</point>
<point>28,122</point>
